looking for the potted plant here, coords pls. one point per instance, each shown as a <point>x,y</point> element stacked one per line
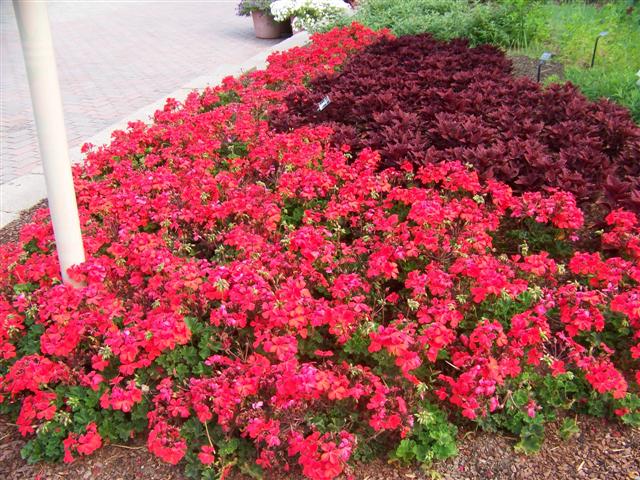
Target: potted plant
<point>310,15</point>
<point>264,24</point>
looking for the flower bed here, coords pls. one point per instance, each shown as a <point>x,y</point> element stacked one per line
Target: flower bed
<point>264,299</point>
<point>428,101</point>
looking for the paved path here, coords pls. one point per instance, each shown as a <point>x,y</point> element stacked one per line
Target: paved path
<point>114,58</point>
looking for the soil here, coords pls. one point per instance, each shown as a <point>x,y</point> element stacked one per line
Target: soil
<point>112,462</point>
<point>602,450</point>
<point>528,67</point>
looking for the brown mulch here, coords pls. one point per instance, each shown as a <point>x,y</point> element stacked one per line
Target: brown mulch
<point>528,67</point>
<point>11,231</point>
<point>127,462</point>
<point>602,450</point>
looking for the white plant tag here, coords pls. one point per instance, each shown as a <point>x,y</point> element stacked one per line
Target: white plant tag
<point>324,103</point>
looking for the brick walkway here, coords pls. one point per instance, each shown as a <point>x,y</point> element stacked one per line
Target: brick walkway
<point>114,58</point>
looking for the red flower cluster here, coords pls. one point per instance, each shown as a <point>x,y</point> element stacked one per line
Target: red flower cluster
<point>300,300</point>
<point>84,444</point>
<point>321,458</point>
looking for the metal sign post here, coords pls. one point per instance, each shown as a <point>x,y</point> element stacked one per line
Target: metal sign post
<point>37,48</point>
<point>544,58</point>
<point>595,47</point>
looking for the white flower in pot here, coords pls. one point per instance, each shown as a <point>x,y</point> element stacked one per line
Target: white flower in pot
<point>310,15</point>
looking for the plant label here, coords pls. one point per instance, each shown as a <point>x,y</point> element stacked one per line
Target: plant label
<point>324,103</point>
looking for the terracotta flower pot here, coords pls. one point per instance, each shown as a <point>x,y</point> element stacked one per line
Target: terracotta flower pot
<point>266,27</point>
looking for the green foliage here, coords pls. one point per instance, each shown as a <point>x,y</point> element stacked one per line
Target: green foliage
<point>31,247</point>
<point>84,408</point>
<point>503,308</point>
<point>233,149</point>
<point>561,391</point>
<point>575,25</point>
<point>523,21</point>
<point>569,428</point>
<point>234,451</point>
<point>245,7</point>
<point>515,418</point>
<point>19,288</point>
<point>508,23</point>
<point>533,401</point>
<point>185,360</point>
<point>292,214</point>
<point>631,403</point>
<point>119,427</point>
<point>368,450</point>
<point>83,403</point>
<point>432,438</point>
<point>224,98</point>
<point>358,343</point>
<point>46,445</point>
<point>334,419</point>
<point>531,435</point>
<point>527,237</point>
<point>536,399</point>
<point>29,343</point>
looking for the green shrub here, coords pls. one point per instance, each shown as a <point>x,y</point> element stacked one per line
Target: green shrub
<point>432,438</point>
<point>509,23</point>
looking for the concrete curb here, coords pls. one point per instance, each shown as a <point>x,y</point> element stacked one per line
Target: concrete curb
<point>27,190</point>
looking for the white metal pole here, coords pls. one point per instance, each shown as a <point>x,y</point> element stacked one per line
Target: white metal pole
<point>37,48</point>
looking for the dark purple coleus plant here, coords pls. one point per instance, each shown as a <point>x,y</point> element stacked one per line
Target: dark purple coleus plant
<point>425,101</point>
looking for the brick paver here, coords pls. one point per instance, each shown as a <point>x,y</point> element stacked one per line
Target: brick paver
<point>114,58</point>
